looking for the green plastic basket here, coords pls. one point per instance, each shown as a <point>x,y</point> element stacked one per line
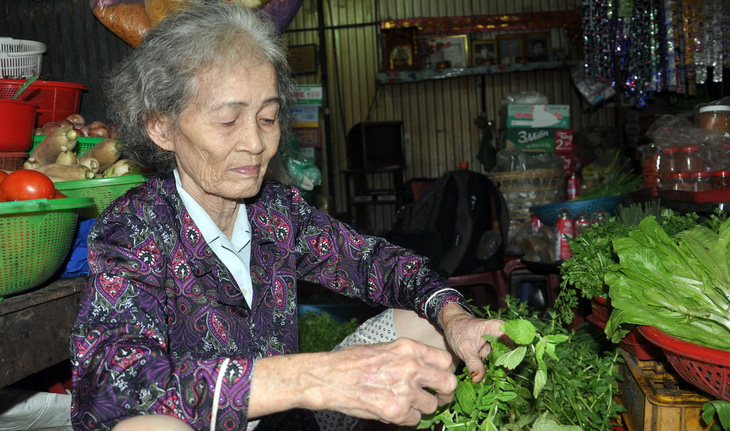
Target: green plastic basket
<point>549,213</point>
<point>35,239</point>
<point>83,144</point>
<point>103,190</point>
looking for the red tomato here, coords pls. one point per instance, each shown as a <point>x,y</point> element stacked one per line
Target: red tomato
<point>59,195</point>
<point>3,198</point>
<point>26,184</point>
<point>3,174</point>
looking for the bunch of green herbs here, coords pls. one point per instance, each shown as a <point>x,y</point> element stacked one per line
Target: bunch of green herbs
<point>549,378</point>
<point>320,332</point>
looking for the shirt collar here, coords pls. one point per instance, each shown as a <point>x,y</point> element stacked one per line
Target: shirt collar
<point>241,236</point>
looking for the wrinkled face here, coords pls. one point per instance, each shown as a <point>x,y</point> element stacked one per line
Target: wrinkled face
<point>227,135</point>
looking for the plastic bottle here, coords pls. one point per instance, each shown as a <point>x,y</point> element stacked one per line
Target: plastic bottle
<point>564,231</point>
<point>581,222</point>
<point>572,189</point>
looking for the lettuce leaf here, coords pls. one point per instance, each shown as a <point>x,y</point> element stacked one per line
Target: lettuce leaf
<point>679,284</point>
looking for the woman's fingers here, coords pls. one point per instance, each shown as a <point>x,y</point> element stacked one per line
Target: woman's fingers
<point>393,382</point>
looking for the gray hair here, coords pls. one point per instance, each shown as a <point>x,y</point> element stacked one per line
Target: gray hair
<point>158,78</point>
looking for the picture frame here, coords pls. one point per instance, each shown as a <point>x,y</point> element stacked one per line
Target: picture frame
<point>537,46</point>
<point>399,48</point>
<point>484,52</point>
<point>510,48</point>
<point>442,52</point>
<point>303,59</point>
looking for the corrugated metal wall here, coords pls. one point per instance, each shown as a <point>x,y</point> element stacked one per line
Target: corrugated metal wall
<point>438,115</point>
<point>80,48</point>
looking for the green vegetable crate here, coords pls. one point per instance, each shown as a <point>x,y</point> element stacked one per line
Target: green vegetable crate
<point>83,144</point>
<point>103,190</point>
<point>656,399</point>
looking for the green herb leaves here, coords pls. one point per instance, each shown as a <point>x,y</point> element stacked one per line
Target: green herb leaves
<point>546,378</point>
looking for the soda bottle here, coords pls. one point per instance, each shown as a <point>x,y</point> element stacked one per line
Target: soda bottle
<point>581,222</point>
<point>563,232</point>
<point>572,189</point>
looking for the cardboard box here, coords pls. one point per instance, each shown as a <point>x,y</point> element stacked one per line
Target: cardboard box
<point>538,116</point>
<point>542,140</point>
<point>305,115</point>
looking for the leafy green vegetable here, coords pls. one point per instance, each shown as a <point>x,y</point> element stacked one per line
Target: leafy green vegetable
<point>551,378</point>
<point>719,408</point>
<point>320,332</point>
<point>593,255</point>
<point>679,284</point>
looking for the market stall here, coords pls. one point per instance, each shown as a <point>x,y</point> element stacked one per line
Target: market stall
<point>583,199</point>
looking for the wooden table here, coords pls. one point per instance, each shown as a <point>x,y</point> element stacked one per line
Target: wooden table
<point>35,328</point>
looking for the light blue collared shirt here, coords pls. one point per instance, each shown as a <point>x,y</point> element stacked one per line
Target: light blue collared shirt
<point>234,253</point>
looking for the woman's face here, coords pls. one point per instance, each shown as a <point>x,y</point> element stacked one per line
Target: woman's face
<point>227,135</point>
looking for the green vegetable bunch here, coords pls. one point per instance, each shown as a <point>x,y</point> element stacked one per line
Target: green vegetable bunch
<point>320,332</point>
<point>678,283</point>
<point>621,181</point>
<point>593,255</point>
<point>548,379</point>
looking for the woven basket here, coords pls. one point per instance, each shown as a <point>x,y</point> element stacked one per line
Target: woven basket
<point>528,188</point>
<point>36,238</point>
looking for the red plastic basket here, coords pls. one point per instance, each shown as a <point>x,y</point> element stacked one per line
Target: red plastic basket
<point>633,342</point>
<point>703,367</point>
<point>12,161</point>
<point>601,309</point>
<point>56,100</point>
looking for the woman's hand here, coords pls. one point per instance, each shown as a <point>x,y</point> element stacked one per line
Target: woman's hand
<point>393,382</point>
<point>464,332</point>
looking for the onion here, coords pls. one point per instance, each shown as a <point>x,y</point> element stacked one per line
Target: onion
<point>77,119</point>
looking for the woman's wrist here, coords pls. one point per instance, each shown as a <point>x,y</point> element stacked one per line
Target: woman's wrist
<point>452,312</point>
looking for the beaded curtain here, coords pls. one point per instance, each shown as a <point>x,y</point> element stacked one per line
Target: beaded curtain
<point>645,46</point>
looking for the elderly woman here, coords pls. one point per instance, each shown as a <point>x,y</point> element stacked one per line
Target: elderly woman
<point>189,318</point>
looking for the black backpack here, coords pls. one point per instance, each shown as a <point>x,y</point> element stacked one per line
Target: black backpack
<point>460,222</point>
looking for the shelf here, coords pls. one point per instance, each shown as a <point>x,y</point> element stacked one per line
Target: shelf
<point>401,76</point>
<point>36,325</point>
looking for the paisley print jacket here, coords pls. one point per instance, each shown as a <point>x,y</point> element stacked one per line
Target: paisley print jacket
<point>160,313</point>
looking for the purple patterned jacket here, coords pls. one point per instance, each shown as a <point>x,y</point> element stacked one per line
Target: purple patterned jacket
<point>160,311</point>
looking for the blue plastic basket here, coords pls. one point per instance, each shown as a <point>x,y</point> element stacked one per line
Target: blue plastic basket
<point>548,213</point>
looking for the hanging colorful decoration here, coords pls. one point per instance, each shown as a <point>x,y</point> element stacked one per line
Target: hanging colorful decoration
<point>647,46</point>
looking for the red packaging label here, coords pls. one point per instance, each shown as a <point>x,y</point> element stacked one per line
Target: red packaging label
<point>567,161</point>
<point>536,223</point>
<point>564,140</point>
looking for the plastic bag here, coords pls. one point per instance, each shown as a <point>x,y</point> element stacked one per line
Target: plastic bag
<point>130,19</point>
<point>126,18</point>
<point>290,167</point>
